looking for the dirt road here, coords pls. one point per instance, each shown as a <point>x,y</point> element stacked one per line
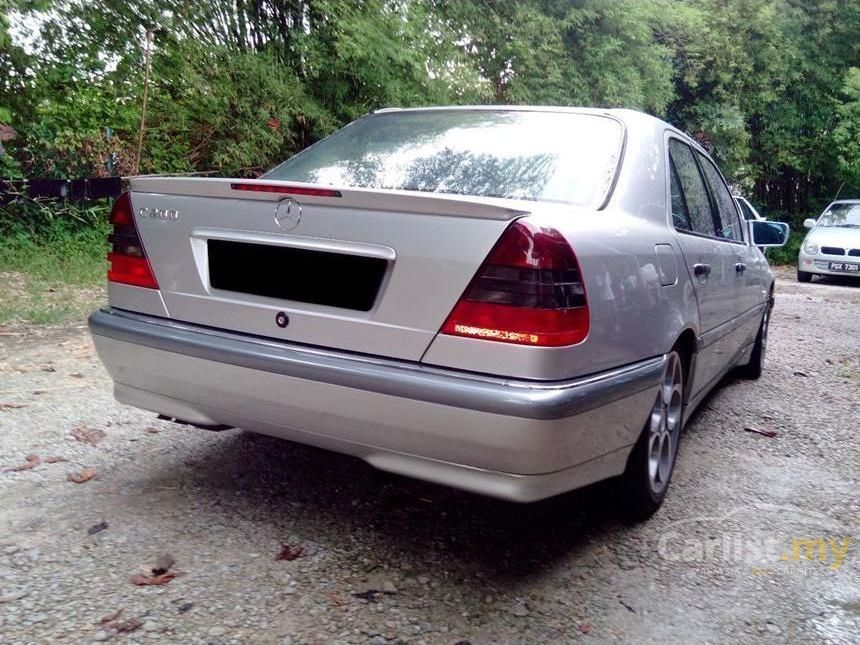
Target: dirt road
<point>758,541</point>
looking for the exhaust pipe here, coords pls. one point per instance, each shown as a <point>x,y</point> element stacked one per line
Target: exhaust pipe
<point>211,427</point>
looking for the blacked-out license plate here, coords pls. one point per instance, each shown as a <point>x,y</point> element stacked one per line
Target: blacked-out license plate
<point>302,275</point>
<point>850,267</point>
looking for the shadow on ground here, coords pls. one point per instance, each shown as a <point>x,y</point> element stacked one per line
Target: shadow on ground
<point>304,488</point>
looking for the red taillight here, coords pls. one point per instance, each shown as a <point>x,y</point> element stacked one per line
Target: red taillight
<point>287,190</point>
<point>528,291</point>
<point>128,263</point>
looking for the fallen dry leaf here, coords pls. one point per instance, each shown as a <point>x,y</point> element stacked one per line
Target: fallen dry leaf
<point>12,406</point>
<point>289,552</point>
<point>87,435</point>
<point>97,528</point>
<point>142,580</point>
<point>767,433</point>
<point>31,462</point>
<point>84,476</point>
<point>110,617</point>
<point>127,626</point>
<point>121,626</point>
<point>55,459</point>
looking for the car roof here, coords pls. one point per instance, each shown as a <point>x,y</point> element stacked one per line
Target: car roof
<point>628,117</point>
<point>508,108</point>
<point>620,113</point>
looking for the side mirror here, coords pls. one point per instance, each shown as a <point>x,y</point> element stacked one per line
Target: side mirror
<point>768,233</point>
<point>809,223</point>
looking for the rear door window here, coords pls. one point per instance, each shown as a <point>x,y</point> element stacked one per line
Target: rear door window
<point>693,190</point>
<point>680,214</point>
<point>729,226</point>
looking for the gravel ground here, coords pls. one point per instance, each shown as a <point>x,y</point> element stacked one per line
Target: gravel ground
<point>384,559</point>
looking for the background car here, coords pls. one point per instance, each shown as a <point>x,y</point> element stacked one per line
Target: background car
<point>747,210</point>
<point>832,247</point>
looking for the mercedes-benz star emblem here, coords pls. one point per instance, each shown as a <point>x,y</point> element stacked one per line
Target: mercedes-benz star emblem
<point>288,214</point>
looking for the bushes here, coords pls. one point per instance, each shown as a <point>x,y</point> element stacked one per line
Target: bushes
<point>787,254</point>
<point>55,242</point>
<point>52,262</point>
<point>236,114</point>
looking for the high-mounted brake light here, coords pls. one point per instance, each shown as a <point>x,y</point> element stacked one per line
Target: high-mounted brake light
<point>528,291</point>
<point>287,190</point>
<point>127,257</point>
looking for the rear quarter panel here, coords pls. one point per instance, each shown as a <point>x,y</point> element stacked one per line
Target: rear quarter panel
<point>640,302</point>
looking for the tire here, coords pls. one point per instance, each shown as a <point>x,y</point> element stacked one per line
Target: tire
<point>804,276</point>
<point>649,468</point>
<point>753,369</point>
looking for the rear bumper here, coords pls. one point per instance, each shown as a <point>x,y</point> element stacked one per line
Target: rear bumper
<point>514,439</point>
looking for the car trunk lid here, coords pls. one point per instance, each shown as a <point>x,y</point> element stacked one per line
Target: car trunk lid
<point>365,270</point>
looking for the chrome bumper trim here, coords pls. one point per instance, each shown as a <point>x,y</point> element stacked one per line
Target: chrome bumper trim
<point>509,397</point>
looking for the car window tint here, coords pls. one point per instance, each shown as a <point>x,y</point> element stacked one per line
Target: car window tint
<point>680,216</point>
<point>727,212</point>
<point>693,188</point>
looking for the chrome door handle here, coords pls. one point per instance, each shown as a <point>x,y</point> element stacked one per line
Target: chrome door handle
<point>702,269</point>
<point>740,267</point>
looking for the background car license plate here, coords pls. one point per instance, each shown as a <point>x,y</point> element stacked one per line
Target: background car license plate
<point>851,267</point>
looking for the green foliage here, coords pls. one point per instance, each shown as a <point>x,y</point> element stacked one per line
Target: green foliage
<point>591,52</point>
<point>234,113</point>
<point>847,132</point>
<point>68,250</point>
<point>51,257</point>
<point>787,254</point>
<point>769,86</point>
<point>30,217</point>
<point>67,136</point>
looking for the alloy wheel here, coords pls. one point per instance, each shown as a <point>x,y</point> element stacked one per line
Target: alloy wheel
<point>664,428</point>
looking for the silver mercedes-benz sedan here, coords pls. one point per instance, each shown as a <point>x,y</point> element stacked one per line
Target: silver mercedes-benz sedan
<point>832,247</point>
<point>514,301</point>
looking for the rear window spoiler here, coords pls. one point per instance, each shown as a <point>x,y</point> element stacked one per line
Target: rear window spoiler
<point>356,198</point>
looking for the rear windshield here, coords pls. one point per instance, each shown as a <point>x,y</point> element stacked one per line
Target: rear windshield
<point>547,156</point>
